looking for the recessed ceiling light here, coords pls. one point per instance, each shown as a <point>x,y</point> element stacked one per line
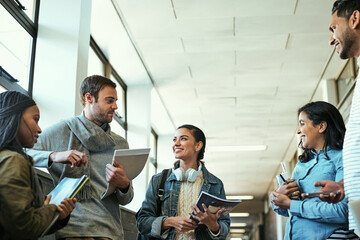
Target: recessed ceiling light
<point>243,197</point>
<point>238,224</point>
<point>239,214</point>
<point>237,148</point>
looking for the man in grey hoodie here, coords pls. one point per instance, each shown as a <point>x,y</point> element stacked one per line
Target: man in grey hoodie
<point>85,145</point>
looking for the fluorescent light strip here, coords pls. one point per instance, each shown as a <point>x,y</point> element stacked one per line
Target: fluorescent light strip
<point>237,148</point>
<point>237,230</point>
<point>244,197</point>
<point>237,236</point>
<point>238,224</point>
<point>239,214</point>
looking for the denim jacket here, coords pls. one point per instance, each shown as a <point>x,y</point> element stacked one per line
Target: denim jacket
<point>149,223</point>
<point>312,218</point>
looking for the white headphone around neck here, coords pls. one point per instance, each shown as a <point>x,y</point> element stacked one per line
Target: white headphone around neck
<point>190,174</point>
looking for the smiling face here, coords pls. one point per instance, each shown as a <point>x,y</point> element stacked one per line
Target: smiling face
<point>185,146</point>
<point>342,36</point>
<point>29,129</point>
<point>311,135</point>
<point>102,110</point>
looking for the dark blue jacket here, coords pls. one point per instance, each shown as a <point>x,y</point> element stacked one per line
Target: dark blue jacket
<point>149,224</point>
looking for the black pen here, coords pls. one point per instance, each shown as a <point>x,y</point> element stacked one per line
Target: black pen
<point>283,178</point>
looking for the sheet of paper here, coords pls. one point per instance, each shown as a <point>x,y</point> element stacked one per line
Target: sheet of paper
<point>132,160</point>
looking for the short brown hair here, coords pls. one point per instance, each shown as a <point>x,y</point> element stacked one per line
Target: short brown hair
<point>93,84</point>
<point>345,8</point>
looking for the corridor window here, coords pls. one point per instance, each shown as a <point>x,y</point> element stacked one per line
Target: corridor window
<point>18,28</point>
<point>346,79</point>
<point>29,7</point>
<point>2,89</point>
<point>121,97</point>
<point>117,128</point>
<point>99,64</point>
<point>95,65</point>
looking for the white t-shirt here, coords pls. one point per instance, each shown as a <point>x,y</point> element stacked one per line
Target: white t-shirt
<point>351,153</point>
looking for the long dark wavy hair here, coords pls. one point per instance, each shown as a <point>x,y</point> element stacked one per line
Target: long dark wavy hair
<point>334,134</point>
<point>199,136</point>
<point>12,106</point>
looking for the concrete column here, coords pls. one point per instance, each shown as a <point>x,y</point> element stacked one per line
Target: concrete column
<point>165,154</point>
<point>61,58</point>
<point>279,227</point>
<point>138,135</point>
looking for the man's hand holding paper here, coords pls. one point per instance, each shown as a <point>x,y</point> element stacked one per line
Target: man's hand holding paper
<point>126,165</point>
<point>116,176</point>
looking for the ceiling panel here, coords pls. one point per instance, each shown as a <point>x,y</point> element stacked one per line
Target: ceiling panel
<point>224,8</point>
<point>161,46</point>
<point>318,41</point>
<point>225,44</point>
<point>281,24</point>
<point>317,8</point>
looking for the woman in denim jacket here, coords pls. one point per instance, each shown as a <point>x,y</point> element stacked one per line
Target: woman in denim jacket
<point>321,129</point>
<point>182,188</point>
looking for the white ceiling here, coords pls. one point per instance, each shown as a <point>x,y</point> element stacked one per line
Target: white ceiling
<point>237,69</point>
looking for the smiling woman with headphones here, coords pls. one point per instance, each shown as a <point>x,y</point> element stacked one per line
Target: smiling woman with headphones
<point>23,213</point>
<point>166,215</point>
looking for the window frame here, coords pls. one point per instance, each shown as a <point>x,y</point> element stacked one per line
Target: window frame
<point>154,160</point>
<point>31,27</point>
<point>352,62</point>
<point>108,71</point>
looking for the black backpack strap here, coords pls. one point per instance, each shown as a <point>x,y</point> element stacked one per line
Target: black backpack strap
<point>161,188</point>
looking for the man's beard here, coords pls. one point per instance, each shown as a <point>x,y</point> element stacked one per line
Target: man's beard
<point>101,116</point>
<point>348,42</point>
<point>103,119</point>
